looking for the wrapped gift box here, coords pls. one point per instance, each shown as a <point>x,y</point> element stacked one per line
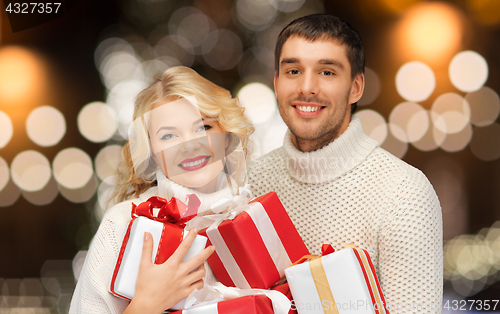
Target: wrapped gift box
<point>167,236</point>
<point>340,282</point>
<point>253,249</point>
<point>285,289</point>
<point>253,304</point>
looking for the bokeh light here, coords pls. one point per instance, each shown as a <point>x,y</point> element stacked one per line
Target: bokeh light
<point>80,195</point>
<point>468,71</point>
<point>374,124</point>
<point>192,24</point>
<point>259,101</point>
<point>457,141</point>
<point>46,126</point>
<point>485,143</point>
<point>484,105</point>
<point>4,173</point>
<point>107,160</point>
<point>109,46</point>
<point>450,113</point>
<point>222,49</point>
<point>43,197</point>
<point>176,47</point>
<point>30,170</point>
<point>372,88</point>
<point>431,32</point>
<point>395,146</point>
<point>431,139</point>
<point>22,76</point>
<point>77,263</point>
<point>408,122</point>
<point>6,129</point>
<point>415,81</point>
<point>97,122</point>
<point>9,194</point>
<point>120,66</point>
<point>72,168</point>
<point>273,138</point>
<point>256,14</point>
<point>121,99</point>
<point>104,193</point>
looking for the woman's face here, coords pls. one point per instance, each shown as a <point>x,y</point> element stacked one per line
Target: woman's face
<point>189,147</point>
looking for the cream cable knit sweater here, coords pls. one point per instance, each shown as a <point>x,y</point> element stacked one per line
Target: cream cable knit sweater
<point>91,294</point>
<point>354,191</point>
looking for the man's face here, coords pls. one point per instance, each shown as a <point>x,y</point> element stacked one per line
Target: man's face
<point>314,90</point>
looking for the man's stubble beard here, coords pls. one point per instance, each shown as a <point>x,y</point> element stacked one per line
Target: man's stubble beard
<point>325,133</point>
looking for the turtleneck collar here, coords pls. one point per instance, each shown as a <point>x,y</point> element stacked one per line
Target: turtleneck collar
<point>168,189</point>
<point>325,164</point>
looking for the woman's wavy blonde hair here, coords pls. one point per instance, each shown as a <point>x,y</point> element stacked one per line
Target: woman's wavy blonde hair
<point>176,82</point>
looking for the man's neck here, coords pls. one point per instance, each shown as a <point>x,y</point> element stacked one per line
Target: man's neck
<point>310,145</point>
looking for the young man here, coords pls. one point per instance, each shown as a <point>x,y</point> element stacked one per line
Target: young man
<point>336,183</point>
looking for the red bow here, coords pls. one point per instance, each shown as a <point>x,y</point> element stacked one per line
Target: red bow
<point>173,211</point>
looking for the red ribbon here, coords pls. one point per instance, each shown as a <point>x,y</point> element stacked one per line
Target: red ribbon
<point>173,211</point>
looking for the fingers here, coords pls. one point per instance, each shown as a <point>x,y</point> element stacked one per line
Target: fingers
<point>200,258</point>
<point>198,284</point>
<point>147,249</point>
<point>196,275</point>
<point>185,245</point>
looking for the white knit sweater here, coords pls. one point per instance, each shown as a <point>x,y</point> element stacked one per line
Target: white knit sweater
<point>91,294</point>
<point>354,191</point>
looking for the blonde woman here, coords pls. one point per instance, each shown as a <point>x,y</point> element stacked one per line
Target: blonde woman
<point>189,136</point>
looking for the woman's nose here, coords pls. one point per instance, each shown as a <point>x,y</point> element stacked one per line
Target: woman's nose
<point>191,145</point>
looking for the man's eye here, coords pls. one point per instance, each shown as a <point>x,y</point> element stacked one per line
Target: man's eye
<point>294,72</point>
<point>167,136</point>
<point>327,73</point>
<point>204,127</point>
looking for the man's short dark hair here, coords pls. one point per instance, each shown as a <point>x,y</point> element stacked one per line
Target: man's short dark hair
<point>325,26</point>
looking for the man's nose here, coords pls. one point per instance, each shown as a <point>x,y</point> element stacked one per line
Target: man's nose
<point>308,84</point>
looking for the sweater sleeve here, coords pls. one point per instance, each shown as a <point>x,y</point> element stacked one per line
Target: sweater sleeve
<point>91,293</point>
<point>411,248</point>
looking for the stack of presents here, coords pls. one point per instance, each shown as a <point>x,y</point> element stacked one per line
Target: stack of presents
<point>258,250</point>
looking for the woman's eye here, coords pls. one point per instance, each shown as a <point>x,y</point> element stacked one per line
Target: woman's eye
<point>204,127</point>
<point>167,136</point>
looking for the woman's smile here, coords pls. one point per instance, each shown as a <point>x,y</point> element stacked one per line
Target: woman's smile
<point>192,164</point>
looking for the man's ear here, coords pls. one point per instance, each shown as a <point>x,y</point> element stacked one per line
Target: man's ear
<point>276,83</point>
<point>357,88</point>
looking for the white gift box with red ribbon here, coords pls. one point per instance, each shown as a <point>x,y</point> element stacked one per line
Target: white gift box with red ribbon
<point>341,282</point>
<point>167,230</point>
<point>254,304</point>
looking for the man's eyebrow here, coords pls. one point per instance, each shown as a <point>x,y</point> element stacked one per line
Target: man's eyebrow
<point>289,60</point>
<point>332,62</point>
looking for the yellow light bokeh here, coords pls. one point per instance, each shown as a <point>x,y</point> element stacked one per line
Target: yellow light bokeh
<point>430,32</point>
<point>22,76</point>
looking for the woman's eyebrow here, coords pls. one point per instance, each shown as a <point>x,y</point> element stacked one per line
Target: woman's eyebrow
<point>165,128</point>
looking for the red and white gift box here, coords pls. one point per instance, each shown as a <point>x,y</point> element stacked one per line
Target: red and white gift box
<point>253,249</point>
<point>252,304</point>
<point>167,230</point>
<point>341,282</point>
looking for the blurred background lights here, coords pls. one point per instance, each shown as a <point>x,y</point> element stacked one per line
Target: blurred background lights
<point>109,46</point>
<point>374,124</point>
<point>72,168</point>
<point>457,141</point>
<point>484,105</point>
<point>395,146</point>
<point>4,173</point>
<point>104,192</point>
<point>485,11</point>
<point>82,194</point>
<point>256,14</point>
<point>372,88</point>
<point>431,140</point>
<point>30,170</point>
<point>485,143</point>
<point>22,76</point>
<point>46,126</point>
<point>222,49</point>
<point>415,81</point>
<point>430,31</point>
<point>192,24</point>
<point>259,102</point>
<point>450,113</point>
<point>107,160</point>
<point>44,196</point>
<point>408,122</point>
<point>97,122</point>
<point>120,66</point>
<point>287,5</point>
<point>397,6</point>
<point>273,138</point>
<point>121,99</point>
<point>9,194</point>
<point>176,47</point>
<point>468,71</point>
<point>6,129</point>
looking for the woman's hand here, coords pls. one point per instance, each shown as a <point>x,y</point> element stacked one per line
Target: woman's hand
<point>159,287</point>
